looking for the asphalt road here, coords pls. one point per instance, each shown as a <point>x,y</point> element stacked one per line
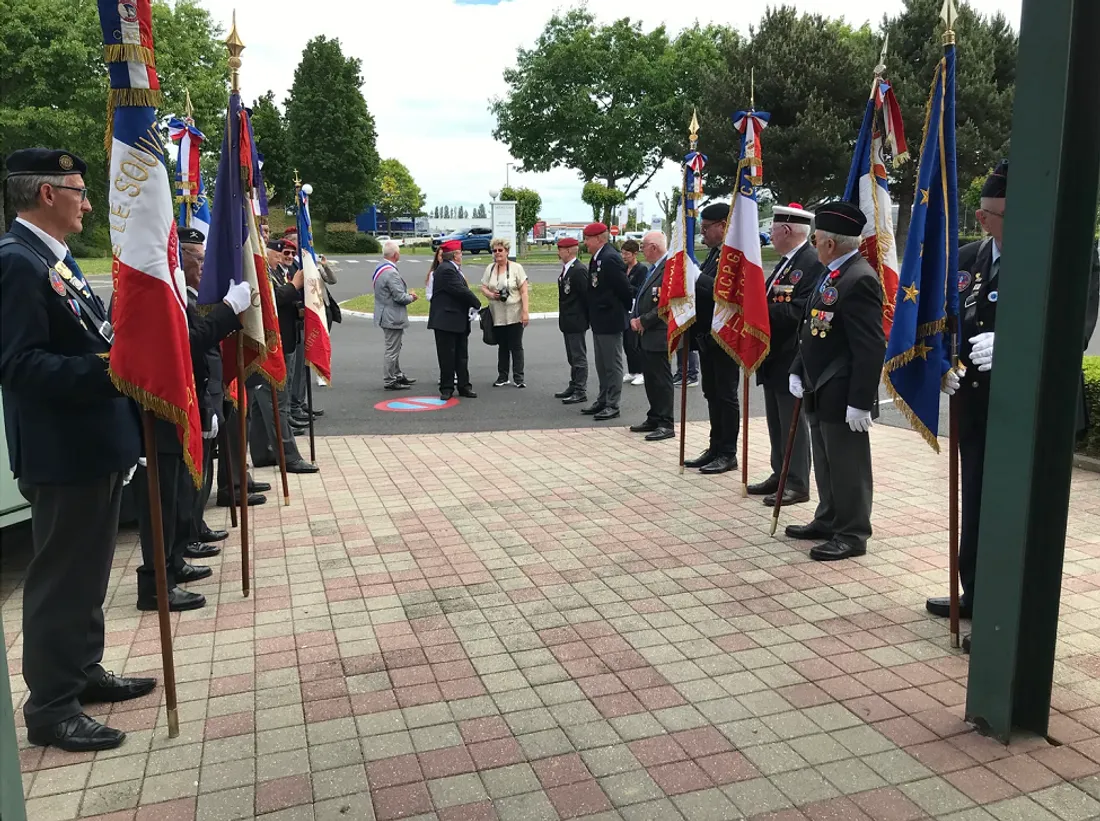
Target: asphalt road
<point>350,402</point>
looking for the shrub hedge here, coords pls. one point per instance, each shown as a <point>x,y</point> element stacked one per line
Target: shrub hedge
<point>1090,445</point>
<point>345,242</point>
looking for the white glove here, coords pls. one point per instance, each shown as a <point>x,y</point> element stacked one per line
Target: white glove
<point>142,461</point>
<point>950,382</point>
<point>858,420</point>
<point>213,432</point>
<point>795,383</point>
<point>129,475</point>
<point>238,297</point>
<point>981,351</point>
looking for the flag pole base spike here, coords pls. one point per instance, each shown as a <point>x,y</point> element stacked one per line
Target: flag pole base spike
<point>775,524</point>
<point>955,641</point>
<point>744,491</point>
<point>286,501</point>
<point>681,470</point>
<point>247,593</point>
<point>173,723</point>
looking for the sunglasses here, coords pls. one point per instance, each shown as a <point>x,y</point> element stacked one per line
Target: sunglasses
<point>83,191</point>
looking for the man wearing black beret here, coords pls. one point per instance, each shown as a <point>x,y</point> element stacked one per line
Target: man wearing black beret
<point>719,370</point>
<point>73,441</point>
<point>836,372</point>
<point>978,284</point>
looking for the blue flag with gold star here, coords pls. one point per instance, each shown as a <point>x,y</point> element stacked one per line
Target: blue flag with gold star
<point>919,351</point>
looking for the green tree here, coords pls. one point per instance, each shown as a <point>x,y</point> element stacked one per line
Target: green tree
<point>269,126</point>
<point>669,204</point>
<point>331,131</point>
<point>480,212</point>
<point>632,219</point>
<point>602,199</point>
<point>603,100</point>
<point>528,204</point>
<point>399,195</point>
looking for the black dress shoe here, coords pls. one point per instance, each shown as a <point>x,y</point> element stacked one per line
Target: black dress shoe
<point>178,600</point>
<point>79,734</point>
<point>318,412</point>
<point>301,466</point>
<point>253,499</point>
<point>404,380</point>
<point>769,485</point>
<point>941,606</point>
<point>966,644</point>
<point>116,688</point>
<point>575,399</point>
<point>645,427</point>
<point>790,497</point>
<point>397,386</point>
<point>593,409</point>
<point>721,464</point>
<point>810,532</point>
<point>258,487</point>
<point>299,421</point>
<point>198,550</point>
<point>659,434</point>
<point>605,414</point>
<point>263,463</point>
<point>565,394</point>
<point>446,396</point>
<point>704,458</point>
<point>468,393</point>
<point>832,551</point>
<point>208,535</point>
<point>192,573</point>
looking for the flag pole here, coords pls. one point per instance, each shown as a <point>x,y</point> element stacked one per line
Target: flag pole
<point>226,452</point>
<point>690,206</point>
<point>160,569</point>
<point>745,387</point>
<point>786,463</point>
<point>308,371</point>
<point>949,16</point>
<point>235,46</point>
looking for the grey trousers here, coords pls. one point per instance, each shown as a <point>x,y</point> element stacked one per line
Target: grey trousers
<point>73,528</point>
<point>779,407</point>
<point>576,354</point>
<point>609,368</point>
<point>842,467</point>
<point>658,387</point>
<point>391,368</point>
<point>261,431</point>
<point>296,380</point>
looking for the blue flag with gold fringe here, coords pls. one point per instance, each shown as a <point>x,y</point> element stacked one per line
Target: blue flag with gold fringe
<point>919,352</point>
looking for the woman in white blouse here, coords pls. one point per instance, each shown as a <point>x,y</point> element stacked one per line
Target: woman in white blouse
<point>505,286</point>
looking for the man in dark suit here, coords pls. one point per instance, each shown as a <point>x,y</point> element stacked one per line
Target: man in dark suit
<point>73,441</point>
<point>978,283</point>
<point>720,372</point>
<point>177,490</point>
<point>573,320</point>
<point>262,436</point>
<point>653,337</point>
<point>609,303</point>
<point>449,317</point>
<point>836,371</point>
<point>789,289</point>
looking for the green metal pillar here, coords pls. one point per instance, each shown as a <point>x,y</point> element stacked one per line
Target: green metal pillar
<point>1055,164</point>
<point>11,782</point>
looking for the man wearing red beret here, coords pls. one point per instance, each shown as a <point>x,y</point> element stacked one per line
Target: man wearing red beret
<point>609,303</point>
<point>573,320</point>
<point>449,317</point>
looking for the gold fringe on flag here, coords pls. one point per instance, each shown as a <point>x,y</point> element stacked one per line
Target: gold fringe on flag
<point>135,97</point>
<point>128,53</point>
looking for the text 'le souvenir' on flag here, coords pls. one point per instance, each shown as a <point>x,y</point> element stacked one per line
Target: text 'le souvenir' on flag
<point>318,350</point>
<point>918,353</point>
<point>869,189</point>
<point>151,354</point>
<point>741,325</point>
<point>194,208</point>
<point>676,303</point>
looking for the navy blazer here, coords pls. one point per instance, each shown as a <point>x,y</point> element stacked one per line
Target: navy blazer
<point>452,300</point>
<point>65,422</point>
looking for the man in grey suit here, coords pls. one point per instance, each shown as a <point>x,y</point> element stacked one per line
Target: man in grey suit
<point>645,320</point>
<point>391,300</point>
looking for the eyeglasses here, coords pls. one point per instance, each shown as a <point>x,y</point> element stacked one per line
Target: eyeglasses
<point>83,191</point>
<point>1000,214</point>
<point>499,249</point>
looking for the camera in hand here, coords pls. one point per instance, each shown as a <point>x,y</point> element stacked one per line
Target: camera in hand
<point>503,294</point>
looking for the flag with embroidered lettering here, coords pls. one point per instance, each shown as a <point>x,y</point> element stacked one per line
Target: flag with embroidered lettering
<point>194,207</point>
<point>151,354</point>
<point>676,303</point>
<point>318,350</point>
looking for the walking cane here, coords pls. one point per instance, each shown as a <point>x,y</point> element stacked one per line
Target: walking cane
<point>745,439</point>
<point>953,493</point>
<point>786,463</point>
<point>242,495</point>
<point>160,568</point>
<point>279,449</point>
<point>683,398</point>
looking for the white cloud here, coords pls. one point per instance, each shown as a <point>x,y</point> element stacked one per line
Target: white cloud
<point>431,66</point>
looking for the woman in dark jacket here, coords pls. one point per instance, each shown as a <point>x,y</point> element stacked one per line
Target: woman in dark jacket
<point>636,273</point>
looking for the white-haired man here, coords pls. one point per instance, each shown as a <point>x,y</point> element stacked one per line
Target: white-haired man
<point>836,372</point>
<point>645,320</point>
<point>391,313</point>
<point>789,289</point>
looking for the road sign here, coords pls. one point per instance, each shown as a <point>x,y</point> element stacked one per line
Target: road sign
<point>415,404</point>
<point>614,230</point>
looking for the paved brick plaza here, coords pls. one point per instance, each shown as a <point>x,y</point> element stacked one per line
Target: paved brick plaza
<point>540,625</point>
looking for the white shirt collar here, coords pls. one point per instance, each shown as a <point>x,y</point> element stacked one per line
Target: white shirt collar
<point>996,250</point>
<point>789,256</point>
<point>836,263</point>
<point>598,250</point>
<point>58,249</point>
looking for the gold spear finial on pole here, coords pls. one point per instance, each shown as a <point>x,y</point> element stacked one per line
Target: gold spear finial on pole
<point>881,67</point>
<point>188,109</point>
<point>297,180</point>
<point>235,45</point>
<point>949,14</point>
<point>693,129</point>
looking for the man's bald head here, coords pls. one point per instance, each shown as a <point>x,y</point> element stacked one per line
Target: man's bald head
<point>654,246</point>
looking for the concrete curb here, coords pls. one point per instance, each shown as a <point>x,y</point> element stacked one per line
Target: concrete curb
<point>362,315</point>
<point>1089,463</point>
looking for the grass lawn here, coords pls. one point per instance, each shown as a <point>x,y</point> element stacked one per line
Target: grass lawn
<point>543,299</point>
<point>95,266</point>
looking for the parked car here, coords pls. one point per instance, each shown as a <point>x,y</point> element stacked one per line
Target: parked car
<point>634,235</point>
<point>474,240</point>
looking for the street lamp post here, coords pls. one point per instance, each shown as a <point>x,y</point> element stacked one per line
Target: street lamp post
<point>507,167</point>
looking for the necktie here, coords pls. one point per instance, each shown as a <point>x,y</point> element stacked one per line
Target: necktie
<point>82,283</point>
<point>779,269</point>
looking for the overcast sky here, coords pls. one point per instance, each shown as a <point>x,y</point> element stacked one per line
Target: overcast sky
<point>431,66</point>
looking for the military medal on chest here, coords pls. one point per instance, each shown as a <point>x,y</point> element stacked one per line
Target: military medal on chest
<point>821,322</point>
<point>782,293</point>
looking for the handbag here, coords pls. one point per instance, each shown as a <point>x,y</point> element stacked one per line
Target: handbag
<point>488,334</point>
